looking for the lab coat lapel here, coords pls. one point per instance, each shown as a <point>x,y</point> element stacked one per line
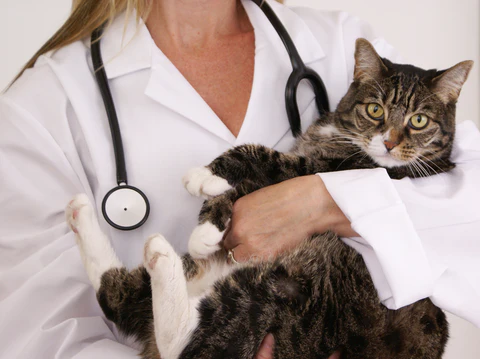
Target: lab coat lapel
<point>130,48</point>
<point>168,87</point>
<point>266,121</point>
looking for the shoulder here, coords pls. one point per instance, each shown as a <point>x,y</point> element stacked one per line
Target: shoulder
<point>39,91</point>
<point>43,78</point>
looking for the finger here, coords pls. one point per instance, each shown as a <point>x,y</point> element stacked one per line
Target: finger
<point>335,355</point>
<point>266,348</point>
<point>239,254</point>
<point>230,241</point>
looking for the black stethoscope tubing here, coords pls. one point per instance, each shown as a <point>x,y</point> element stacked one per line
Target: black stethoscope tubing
<point>121,168</point>
<point>299,72</point>
<point>101,76</point>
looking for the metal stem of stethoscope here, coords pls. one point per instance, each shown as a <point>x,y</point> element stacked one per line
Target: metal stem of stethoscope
<point>300,72</point>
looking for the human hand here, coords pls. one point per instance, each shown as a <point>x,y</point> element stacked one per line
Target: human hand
<point>277,218</point>
<point>266,349</point>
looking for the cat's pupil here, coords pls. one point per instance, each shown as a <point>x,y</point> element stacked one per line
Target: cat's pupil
<point>375,109</point>
<point>419,119</point>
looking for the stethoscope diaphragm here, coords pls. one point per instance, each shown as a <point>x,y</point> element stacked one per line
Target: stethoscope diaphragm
<point>125,207</point>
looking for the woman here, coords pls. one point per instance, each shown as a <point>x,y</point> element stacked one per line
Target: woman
<point>197,78</point>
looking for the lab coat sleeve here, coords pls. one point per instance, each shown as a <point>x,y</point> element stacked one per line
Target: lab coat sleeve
<point>419,237</point>
<point>48,308</point>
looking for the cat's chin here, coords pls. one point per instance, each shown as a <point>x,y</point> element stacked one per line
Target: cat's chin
<point>387,161</point>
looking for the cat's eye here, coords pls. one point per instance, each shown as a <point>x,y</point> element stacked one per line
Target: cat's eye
<point>375,111</point>
<point>417,122</point>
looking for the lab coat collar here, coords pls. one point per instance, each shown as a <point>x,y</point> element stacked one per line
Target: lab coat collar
<point>128,47</point>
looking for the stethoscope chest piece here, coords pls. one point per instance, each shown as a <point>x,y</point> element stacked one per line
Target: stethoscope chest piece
<point>125,207</point>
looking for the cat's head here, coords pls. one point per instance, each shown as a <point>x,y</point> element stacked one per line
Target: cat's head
<point>401,115</point>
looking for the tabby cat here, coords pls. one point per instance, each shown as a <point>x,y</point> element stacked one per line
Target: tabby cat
<point>317,299</point>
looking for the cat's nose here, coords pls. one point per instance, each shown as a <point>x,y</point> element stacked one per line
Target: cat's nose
<point>390,145</point>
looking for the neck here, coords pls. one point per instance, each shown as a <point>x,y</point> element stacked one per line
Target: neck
<point>195,24</point>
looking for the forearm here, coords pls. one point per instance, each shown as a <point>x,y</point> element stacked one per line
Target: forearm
<point>278,217</point>
<point>328,215</point>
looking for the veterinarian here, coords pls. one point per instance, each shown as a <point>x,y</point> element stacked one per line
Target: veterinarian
<point>195,79</point>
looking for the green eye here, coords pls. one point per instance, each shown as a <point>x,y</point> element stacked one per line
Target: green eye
<point>417,122</point>
<point>375,111</point>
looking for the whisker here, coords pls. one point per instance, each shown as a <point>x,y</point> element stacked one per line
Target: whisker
<point>415,165</point>
<point>436,159</point>
<point>412,170</point>
<point>425,170</point>
<point>355,153</point>
<point>427,161</point>
<point>426,164</point>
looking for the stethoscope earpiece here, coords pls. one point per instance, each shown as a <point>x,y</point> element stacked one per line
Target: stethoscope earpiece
<point>125,207</point>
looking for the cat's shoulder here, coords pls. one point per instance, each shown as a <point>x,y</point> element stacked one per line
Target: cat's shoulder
<point>324,126</point>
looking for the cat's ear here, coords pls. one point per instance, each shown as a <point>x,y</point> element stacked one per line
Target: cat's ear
<point>368,65</point>
<point>448,84</point>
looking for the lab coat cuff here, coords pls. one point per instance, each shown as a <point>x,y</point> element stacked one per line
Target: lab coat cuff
<point>392,250</point>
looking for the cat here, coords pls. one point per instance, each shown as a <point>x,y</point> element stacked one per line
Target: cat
<point>319,297</point>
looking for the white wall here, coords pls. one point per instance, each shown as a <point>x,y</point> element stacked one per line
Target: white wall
<point>430,33</point>
<point>25,25</point>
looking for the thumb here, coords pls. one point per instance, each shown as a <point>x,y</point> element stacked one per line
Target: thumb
<point>266,348</point>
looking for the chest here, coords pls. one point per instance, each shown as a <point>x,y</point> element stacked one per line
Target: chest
<point>222,75</point>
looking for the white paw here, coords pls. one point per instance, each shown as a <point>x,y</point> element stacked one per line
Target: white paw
<point>79,213</point>
<point>200,181</point>
<point>204,241</point>
<point>158,255</point>
<point>96,251</point>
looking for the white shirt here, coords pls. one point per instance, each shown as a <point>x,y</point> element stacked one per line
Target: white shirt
<point>420,237</point>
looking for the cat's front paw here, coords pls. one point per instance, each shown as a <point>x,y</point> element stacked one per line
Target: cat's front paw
<point>201,182</point>
<point>204,241</point>
<point>79,213</point>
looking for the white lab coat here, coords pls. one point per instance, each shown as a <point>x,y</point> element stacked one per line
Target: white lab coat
<point>420,237</point>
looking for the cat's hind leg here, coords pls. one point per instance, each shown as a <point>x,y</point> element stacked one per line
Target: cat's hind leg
<point>96,251</point>
<point>175,315</point>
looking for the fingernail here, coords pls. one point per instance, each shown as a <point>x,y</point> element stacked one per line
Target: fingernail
<point>269,341</point>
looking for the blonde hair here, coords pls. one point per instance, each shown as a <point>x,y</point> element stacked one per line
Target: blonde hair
<point>85,17</point>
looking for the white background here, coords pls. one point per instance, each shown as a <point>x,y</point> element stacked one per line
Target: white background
<point>428,33</point>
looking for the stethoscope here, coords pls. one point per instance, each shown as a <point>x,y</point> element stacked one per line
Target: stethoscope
<point>126,207</point>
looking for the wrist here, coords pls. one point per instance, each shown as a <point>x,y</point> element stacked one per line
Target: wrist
<point>329,217</point>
